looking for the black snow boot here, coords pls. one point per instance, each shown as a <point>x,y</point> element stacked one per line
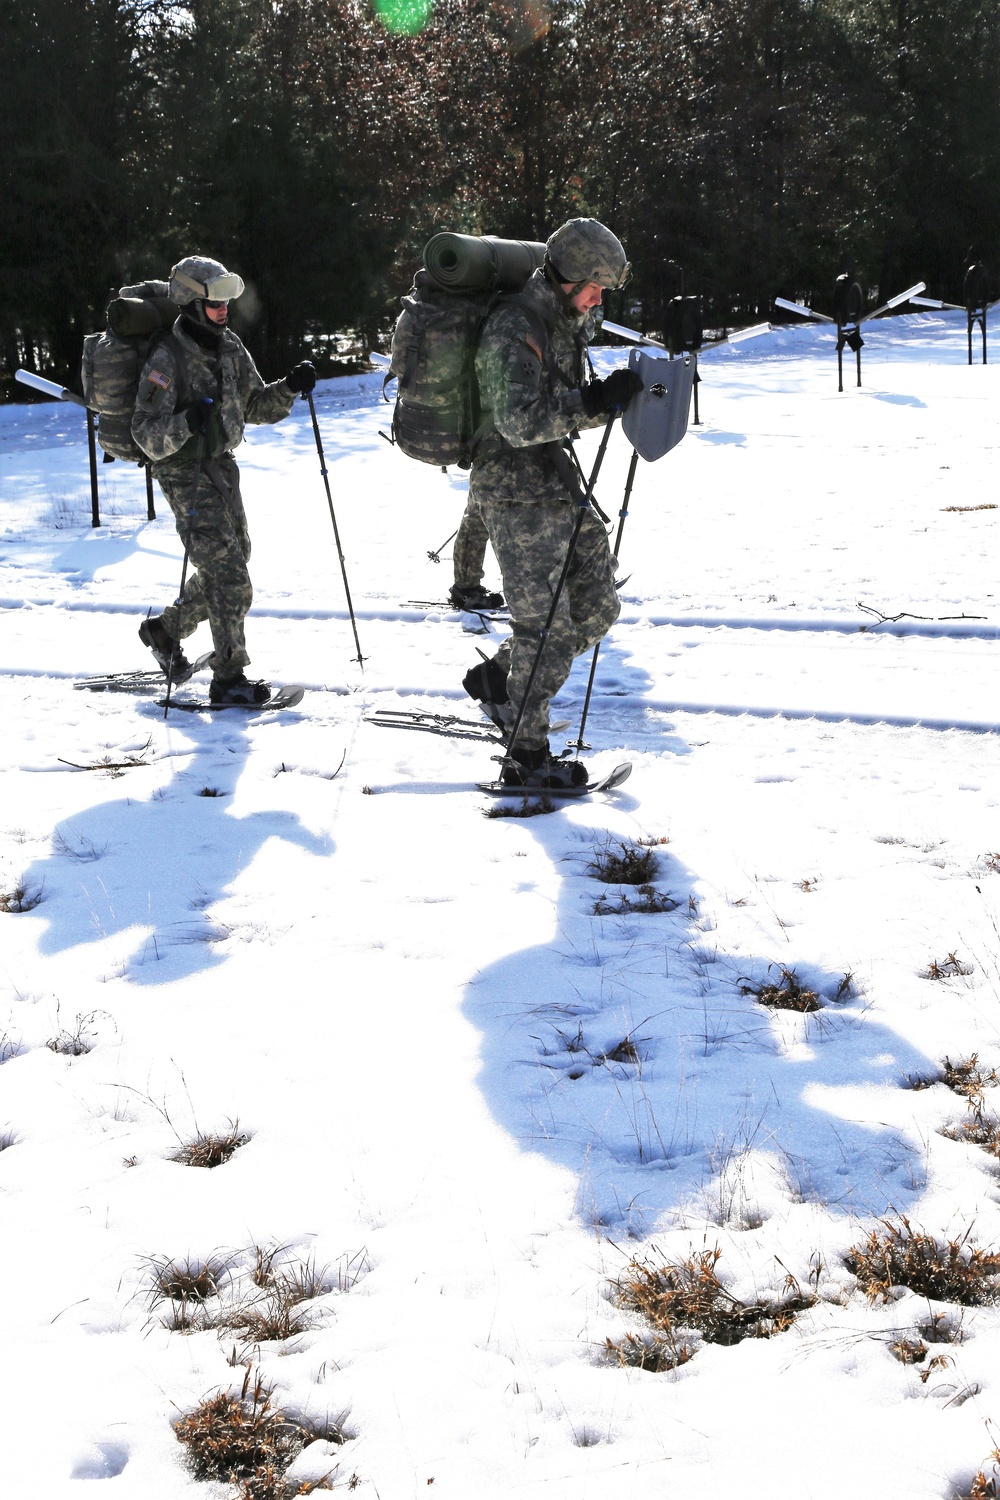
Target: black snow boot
<point>538,770</point>
<point>473,596</point>
<point>238,690</point>
<point>167,651</point>
<point>487,683</point>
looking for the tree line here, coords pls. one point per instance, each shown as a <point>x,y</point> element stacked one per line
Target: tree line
<point>314,146</point>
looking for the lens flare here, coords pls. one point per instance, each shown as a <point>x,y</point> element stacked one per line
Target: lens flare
<point>405,17</point>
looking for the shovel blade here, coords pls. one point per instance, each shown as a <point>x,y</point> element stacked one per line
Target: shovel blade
<point>656,418</point>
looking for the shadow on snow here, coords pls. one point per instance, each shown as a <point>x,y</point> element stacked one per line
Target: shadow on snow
<point>158,866</point>
<point>726,1106</point>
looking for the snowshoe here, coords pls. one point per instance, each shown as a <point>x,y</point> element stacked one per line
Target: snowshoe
<point>237,691</point>
<point>538,770</point>
<point>167,650</point>
<point>474,597</point>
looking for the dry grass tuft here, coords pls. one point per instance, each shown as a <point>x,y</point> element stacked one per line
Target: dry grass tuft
<point>20,899</point>
<point>947,968</point>
<point>304,1280</point>
<point>271,1319</point>
<point>909,1351</point>
<point>919,1081</point>
<point>623,862</point>
<point>301,1280</point>
<point>976,1132</point>
<point>210,791</point>
<point>212,1149</point>
<point>624,1051</point>
<point>79,1040</point>
<point>687,1294</point>
<point>942,1328</point>
<point>649,1352</point>
<point>185,1280</point>
<point>983,1488</point>
<point>285,1285</point>
<point>991,859</point>
<point>897,1255</point>
<point>789,994</point>
<point>967,1077</point>
<point>524,809</point>
<point>263,1272</point>
<point>248,1441</point>
<point>649,900</point>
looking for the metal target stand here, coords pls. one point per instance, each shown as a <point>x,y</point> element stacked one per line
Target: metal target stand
<point>683,333</point>
<point>849,314</point>
<point>977,304</point>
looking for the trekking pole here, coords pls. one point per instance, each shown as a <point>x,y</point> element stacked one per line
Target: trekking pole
<point>336,533</point>
<point>95,503</point>
<point>582,508</point>
<point>579,743</point>
<point>199,459</point>
<point>436,556</point>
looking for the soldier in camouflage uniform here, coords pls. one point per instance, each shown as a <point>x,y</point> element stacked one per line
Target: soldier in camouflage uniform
<point>531,372</point>
<point>197,389</point>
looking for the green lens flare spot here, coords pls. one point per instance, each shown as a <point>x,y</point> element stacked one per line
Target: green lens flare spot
<point>407,17</point>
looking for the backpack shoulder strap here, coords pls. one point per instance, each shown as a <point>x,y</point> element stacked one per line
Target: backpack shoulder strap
<point>542,326</point>
<point>167,336</point>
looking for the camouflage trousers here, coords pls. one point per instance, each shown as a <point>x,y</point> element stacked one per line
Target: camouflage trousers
<point>212,523</point>
<point>530,541</point>
<point>469,552</point>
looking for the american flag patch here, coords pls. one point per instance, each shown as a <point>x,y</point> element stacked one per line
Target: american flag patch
<point>533,346</point>
<point>155,378</point>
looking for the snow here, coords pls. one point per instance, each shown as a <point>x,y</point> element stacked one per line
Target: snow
<point>405,1005</point>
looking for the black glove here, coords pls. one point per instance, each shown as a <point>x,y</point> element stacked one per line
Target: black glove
<point>197,415</point>
<point>610,395</point>
<point>302,378</point>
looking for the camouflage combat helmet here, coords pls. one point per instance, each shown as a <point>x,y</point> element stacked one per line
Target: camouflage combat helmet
<point>196,278</point>
<point>584,250</point>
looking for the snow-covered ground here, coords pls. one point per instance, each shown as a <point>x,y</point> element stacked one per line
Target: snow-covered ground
<point>408,1008</point>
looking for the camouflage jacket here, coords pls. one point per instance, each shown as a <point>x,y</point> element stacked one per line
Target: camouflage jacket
<point>530,367</point>
<point>227,374</point>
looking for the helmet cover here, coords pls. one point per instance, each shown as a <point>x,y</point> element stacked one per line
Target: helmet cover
<point>583,250</point>
<point>197,278</point>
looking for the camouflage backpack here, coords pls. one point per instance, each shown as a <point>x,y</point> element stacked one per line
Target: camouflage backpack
<point>138,318</point>
<point>437,417</point>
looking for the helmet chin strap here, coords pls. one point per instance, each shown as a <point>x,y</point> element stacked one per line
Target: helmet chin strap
<point>558,284</point>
